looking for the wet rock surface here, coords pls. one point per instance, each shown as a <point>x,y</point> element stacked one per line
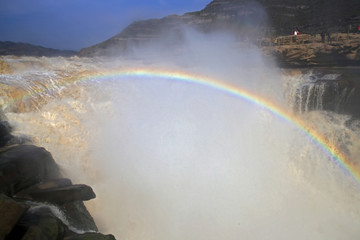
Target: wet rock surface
<point>36,202</point>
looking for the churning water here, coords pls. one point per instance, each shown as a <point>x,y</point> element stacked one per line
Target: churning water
<point>170,159</point>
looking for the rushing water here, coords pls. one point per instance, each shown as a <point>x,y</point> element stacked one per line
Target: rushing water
<point>176,160</point>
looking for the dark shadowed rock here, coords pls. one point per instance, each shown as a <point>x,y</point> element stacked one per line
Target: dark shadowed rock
<point>29,172</point>
<point>10,212</point>
<point>55,183</point>
<point>57,195</point>
<point>39,223</point>
<point>78,216</point>
<point>90,236</point>
<point>5,133</point>
<point>42,186</point>
<point>6,138</point>
<point>23,166</point>
<point>284,16</point>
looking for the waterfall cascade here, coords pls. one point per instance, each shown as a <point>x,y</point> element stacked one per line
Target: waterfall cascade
<point>175,160</point>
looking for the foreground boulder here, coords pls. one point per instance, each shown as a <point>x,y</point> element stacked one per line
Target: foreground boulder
<point>39,223</point>
<point>11,212</point>
<point>57,193</point>
<point>90,236</point>
<point>5,133</point>
<point>36,202</point>
<point>78,216</point>
<point>23,166</point>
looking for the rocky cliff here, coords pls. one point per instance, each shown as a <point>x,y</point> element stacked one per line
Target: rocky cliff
<point>255,20</point>
<point>36,201</point>
<point>25,49</point>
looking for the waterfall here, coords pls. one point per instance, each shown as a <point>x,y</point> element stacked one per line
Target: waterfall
<point>175,160</point>
<point>310,92</point>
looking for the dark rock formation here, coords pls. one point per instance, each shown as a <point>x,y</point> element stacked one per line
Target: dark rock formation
<point>340,49</point>
<point>11,212</point>
<point>25,49</point>
<point>38,223</point>
<point>5,132</point>
<point>58,191</point>
<point>90,236</point>
<point>78,216</point>
<point>23,166</point>
<point>247,19</point>
<point>35,201</point>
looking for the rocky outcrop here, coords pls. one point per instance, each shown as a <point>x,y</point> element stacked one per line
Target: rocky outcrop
<point>25,49</point>
<point>23,166</point>
<point>248,19</point>
<point>89,236</point>
<point>58,191</point>
<point>338,49</point>
<point>36,202</point>
<point>38,223</point>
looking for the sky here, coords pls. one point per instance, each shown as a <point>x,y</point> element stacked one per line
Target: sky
<point>75,24</point>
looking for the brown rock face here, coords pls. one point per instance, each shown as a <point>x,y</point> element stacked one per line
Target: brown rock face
<point>339,49</point>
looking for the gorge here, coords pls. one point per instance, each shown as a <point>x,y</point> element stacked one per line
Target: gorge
<point>189,127</point>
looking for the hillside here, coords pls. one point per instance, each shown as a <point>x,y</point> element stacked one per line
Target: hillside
<point>259,21</point>
<point>25,49</point>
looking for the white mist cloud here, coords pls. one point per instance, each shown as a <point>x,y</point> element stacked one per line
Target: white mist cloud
<point>182,161</point>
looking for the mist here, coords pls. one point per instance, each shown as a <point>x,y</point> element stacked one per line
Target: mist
<point>178,160</point>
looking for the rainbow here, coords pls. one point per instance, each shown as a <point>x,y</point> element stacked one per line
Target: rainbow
<point>339,157</point>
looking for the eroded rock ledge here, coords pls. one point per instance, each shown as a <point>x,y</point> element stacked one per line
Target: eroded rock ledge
<point>36,201</point>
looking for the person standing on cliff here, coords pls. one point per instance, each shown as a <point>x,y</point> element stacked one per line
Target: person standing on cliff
<point>296,32</point>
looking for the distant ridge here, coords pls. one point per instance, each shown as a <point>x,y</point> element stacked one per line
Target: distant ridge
<point>261,18</point>
<point>25,49</point>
